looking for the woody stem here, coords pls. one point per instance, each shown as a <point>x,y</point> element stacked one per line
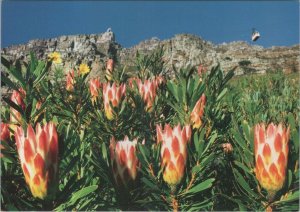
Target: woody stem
<point>174,204</point>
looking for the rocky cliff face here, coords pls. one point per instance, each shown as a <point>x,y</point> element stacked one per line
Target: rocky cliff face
<point>180,51</point>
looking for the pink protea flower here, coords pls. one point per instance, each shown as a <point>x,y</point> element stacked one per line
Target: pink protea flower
<point>1,147</point>
<point>131,81</point>
<point>38,154</point>
<point>112,94</point>
<point>38,105</point>
<point>18,98</point>
<point>123,160</point>
<point>159,80</point>
<point>70,80</point>
<point>5,134</point>
<point>271,155</point>
<point>173,151</point>
<point>198,112</point>
<point>147,91</point>
<point>109,69</point>
<point>94,88</point>
<point>201,69</point>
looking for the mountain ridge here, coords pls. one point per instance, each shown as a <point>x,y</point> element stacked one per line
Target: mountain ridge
<point>179,51</point>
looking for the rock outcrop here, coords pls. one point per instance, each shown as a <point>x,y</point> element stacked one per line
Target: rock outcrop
<point>180,51</point>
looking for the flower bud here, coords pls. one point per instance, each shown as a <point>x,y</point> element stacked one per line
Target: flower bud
<point>227,148</point>
<point>112,94</point>
<point>201,69</point>
<point>18,98</point>
<point>147,91</point>
<point>109,69</point>
<point>271,155</point>
<point>131,81</point>
<point>173,151</point>
<point>94,88</point>
<point>70,80</point>
<point>198,112</point>
<point>123,160</point>
<point>159,80</point>
<point>38,154</point>
<point>5,134</point>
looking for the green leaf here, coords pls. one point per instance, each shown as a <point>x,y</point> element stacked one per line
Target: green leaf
<point>70,165</point>
<point>8,82</point>
<point>199,142</point>
<point>184,97</point>
<point>82,193</point>
<point>190,87</point>
<point>150,184</point>
<point>211,141</point>
<point>5,62</point>
<point>290,198</point>
<point>104,151</point>
<point>196,142</point>
<point>290,178</point>
<point>17,74</point>
<point>229,75</point>
<point>200,206</point>
<point>200,187</point>
<point>242,166</point>
<point>206,160</point>
<point>144,151</point>
<point>242,182</point>
<point>294,131</point>
<point>173,89</point>
<point>13,104</point>
<point>42,72</point>
<point>222,94</point>
<point>241,142</point>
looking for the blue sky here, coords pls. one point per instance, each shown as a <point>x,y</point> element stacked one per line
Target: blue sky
<point>134,21</point>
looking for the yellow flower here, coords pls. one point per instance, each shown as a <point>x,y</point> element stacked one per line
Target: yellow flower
<point>84,69</point>
<point>55,57</point>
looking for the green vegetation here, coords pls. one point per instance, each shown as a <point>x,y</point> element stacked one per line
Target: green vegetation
<point>148,141</point>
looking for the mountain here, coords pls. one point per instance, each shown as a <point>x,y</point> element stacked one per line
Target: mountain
<point>180,51</point>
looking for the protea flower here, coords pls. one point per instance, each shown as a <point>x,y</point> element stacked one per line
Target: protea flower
<point>112,94</point>
<point>147,91</point>
<point>201,69</point>
<point>39,103</point>
<point>159,80</point>
<point>4,134</point>
<point>198,112</point>
<point>173,151</point>
<point>1,147</point>
<point>271,155</point>
<point>131,81</point>
<point>109,69</point>
<point>18,98</point>
<point>94,88</point>
<point>38,154</point>
<point>70,80</point>
<point>123,160</point>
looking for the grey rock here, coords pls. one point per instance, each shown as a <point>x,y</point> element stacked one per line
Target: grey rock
<point>180,51</point>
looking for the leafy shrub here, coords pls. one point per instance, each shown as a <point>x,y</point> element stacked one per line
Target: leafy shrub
<point>146,141</point>
<point>244,63</point>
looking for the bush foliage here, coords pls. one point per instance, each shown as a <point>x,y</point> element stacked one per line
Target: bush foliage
<point>219,171</point>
